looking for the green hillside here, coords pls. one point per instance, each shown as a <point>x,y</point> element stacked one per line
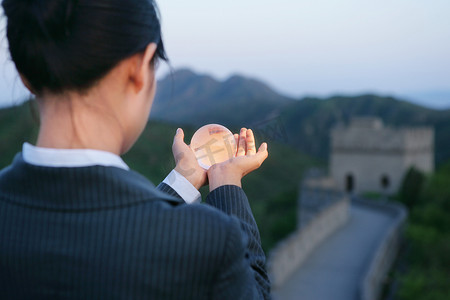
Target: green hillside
<point>272,190</point>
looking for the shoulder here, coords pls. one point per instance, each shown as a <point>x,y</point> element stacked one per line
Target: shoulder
<point>216,236</point>
<point>203,223</point>
<point>201,215</point>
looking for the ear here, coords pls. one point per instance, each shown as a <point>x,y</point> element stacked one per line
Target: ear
<point>142,66</point>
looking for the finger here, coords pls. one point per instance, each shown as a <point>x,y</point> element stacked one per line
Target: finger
<point>262,153</point>
<point>241,145</point>
<point>257,159</point>
<point>236,138</point>
<point>251,147</point>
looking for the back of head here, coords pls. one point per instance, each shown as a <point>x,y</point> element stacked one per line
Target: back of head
<point>60,45</point>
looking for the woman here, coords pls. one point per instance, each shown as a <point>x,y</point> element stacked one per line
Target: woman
<point>75,222</point>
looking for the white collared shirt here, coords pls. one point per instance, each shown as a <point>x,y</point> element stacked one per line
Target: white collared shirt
<point>49,157</point>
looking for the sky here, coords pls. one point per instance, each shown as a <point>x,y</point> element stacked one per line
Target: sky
<point>306,47</point>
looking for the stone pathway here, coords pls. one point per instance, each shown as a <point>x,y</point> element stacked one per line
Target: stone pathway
<point>335,269</point>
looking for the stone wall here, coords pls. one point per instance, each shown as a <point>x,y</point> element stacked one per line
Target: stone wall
<point>316,195</point>
<point>290,254</point>
<point>376,273</point>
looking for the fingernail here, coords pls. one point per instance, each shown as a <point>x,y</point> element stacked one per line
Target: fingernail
<point>178,130</point>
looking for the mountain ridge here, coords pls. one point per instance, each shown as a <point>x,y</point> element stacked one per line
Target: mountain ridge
<point>303,123</point>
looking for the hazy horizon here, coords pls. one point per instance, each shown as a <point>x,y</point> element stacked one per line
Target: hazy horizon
<point>432,99</point>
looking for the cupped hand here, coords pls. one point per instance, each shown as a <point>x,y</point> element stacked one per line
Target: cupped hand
<point>247,159</point>
<point>186,162</point>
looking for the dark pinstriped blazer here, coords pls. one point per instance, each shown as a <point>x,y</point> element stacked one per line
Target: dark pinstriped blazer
<point>106,233</point>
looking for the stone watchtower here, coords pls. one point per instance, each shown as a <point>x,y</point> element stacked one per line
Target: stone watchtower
<point>368,157</point>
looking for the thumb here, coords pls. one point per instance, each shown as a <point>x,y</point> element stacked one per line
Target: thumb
<point>179,137</point>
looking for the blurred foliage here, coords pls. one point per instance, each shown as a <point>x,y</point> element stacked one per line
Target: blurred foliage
<point>411,187</point>
<point>375,196</point>
<point>18,124</point>
<point>427,275</point>
<point>272,190</point>
<point>280,215</point>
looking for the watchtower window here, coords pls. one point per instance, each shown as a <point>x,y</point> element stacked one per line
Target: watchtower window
<point>349,183</point>
<point>385,182</point>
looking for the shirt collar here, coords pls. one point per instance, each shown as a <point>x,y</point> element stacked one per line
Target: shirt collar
<point>49,157</point>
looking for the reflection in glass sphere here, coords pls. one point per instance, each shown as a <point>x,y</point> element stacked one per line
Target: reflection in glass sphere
<point>213,144</point>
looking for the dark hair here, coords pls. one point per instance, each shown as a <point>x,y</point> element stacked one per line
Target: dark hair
<point>60,45</point>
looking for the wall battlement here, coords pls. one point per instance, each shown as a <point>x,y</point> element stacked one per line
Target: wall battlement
<point>367,156</point>
<point>362,139</point>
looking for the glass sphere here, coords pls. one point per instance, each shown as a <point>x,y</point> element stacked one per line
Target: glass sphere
<point>213,144</point>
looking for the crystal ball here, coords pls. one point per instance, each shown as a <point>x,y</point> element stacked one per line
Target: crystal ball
<point>212,144</point>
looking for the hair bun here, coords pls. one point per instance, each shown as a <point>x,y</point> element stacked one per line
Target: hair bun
<point>102,34</point>
<point>50,19</point>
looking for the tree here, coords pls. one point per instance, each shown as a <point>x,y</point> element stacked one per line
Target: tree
<point>411,187</point>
